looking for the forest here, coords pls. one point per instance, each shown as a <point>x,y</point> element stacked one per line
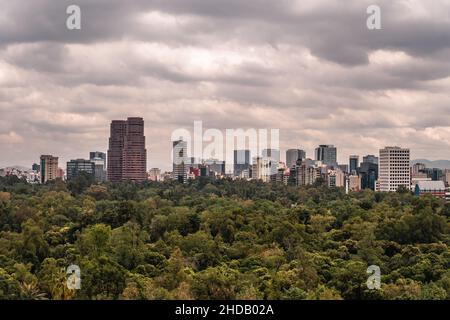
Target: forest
<point>219,239</point>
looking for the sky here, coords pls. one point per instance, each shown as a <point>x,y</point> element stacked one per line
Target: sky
<point>310,68</point>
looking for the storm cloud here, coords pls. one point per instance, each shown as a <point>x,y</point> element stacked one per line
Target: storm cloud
<point>310,68</point>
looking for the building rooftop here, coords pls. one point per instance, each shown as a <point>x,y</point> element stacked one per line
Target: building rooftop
<point>431,185</point>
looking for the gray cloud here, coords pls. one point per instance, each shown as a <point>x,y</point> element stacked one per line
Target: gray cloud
<point>310,68</point>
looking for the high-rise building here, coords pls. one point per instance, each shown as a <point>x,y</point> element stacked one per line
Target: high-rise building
<point>180,160</point>
<point>435,174</point>
<point>353,164</point>
<point>306,175</point>
<point>115,151</point>
<point>127,156</point>
<point>370,158</point>
<point>272,156</point>
<point>75,167</point>
<point>49,168</point>
<point>447,177</point>
<point>261,169</point>
<point>327,154</point>
<point>368,172</point>
<point>241,161</point>
<point>99,160</point>
<point>335,178</point>
<point>394,169</point>
<point>134,151</point>
<point>418,168</point>
<point>216,166</point>
<point>293,155</point>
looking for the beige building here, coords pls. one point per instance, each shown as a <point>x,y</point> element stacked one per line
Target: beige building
<point>261,169</point>
<point>447,177</point>
<point>354,183</point>
<point>336,178</point>
<point>154,174</point>
<point>49,168</point>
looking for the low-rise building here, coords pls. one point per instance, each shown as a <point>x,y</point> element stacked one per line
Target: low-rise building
<point>435,188</point>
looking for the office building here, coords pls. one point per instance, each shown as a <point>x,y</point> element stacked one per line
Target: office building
<point>294,155</point>
<point>241,161</point>
<point>115,151</point>
<point>335,178</point>
<point>49,168</point>
<point>127,156</point>
<point>134,151</point>
<point>418,168</point>
<point>99,160</point>
<point>180,161</point>
<point>272,156</point>
<point>370,158</point>
<point>368,173</point>
<point>217,167</point>
<point>75,167</point>
<point>327,154</point>
<point>305,172</point>
<point>353,164</point>
<point>394,169</point>
<point>261,169</point>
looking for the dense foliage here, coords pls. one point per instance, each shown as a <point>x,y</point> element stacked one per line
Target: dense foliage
<point>219,240</point>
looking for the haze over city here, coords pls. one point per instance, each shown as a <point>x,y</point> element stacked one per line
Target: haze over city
<point>231,64</point>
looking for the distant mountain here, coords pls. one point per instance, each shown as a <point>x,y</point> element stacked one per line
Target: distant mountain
<point>441,164</point>
<point>21,168</point>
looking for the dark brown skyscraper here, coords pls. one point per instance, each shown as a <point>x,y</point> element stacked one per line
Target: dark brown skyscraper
<point>127,156</point>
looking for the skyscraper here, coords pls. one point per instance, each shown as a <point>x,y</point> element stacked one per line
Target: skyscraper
<point>49,168</point>
<point>127,156</point>
<point>394,169</point>
<point>134,152</point>
<point>293,155</point>
<point>327,154</point>
<point>370,158</point>
<point>368,172</point>
<point>180,160</point>
<point>115,151</point>
<point>99,160</point>
<point>353,164</point>
<point>272,156</point>
<point>241,161</point>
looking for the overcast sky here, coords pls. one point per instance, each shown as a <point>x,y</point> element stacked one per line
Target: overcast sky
<point>308,67</point>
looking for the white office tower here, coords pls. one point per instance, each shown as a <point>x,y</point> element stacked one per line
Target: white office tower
<point>394,169</point>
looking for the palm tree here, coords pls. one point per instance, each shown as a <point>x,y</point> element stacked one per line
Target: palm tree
<point>31,291</point>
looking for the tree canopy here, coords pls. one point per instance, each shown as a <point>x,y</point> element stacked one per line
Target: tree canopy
<point>219,239</point>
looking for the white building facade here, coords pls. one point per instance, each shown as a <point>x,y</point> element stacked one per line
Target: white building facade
<point>394,169</point>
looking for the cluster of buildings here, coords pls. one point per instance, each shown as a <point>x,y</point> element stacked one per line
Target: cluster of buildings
<point>126,159</point>
<point>31,176</point>
<point>387,172</point>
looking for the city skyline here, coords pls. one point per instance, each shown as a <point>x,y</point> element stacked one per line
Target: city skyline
<point>231,64</point>
<point>168,166</point>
